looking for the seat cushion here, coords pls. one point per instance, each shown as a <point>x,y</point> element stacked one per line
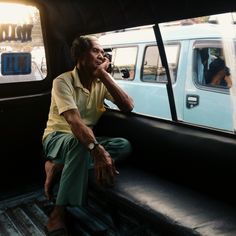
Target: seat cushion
<point>163,204</point>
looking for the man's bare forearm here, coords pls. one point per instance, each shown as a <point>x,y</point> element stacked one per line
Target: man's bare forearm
<point>122,99</point>
<point>82,132</point>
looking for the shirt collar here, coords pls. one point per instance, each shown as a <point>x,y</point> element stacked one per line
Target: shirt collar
<point>76,78</point>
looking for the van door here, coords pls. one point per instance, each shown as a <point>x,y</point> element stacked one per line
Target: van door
<point>206,104</point>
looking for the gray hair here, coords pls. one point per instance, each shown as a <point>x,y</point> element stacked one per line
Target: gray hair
<point>81,45</point>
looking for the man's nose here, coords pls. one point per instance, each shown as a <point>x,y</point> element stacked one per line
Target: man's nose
<point>100,55</point>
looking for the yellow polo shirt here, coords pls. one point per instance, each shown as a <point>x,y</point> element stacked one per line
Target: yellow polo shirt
<point>68,93</point>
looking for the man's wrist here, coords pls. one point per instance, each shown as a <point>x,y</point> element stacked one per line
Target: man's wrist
<point>92,145</point>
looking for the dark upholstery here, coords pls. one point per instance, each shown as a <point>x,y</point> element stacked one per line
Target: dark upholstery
<point>179,179</point>
<point>174,209</point>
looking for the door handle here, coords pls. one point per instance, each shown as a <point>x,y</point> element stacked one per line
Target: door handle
<point>192,101</point>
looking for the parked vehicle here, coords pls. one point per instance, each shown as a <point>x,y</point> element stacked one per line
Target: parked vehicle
<point>190,49</point>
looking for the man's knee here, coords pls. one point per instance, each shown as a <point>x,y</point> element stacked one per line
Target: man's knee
<point>121,149</point>
<point>125,145</point>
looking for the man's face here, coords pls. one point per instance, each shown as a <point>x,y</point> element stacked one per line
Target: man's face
<point>94,57</point>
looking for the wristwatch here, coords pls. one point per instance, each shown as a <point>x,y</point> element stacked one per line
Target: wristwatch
<point>92,145</point>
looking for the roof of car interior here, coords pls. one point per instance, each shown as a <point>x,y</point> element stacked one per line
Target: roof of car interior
<point>89,16</point>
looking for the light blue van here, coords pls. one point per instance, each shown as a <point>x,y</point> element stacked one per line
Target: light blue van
<point>190,49</point>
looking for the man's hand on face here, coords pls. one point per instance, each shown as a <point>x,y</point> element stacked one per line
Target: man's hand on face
<point>105,170</point>
<point>102,68</point>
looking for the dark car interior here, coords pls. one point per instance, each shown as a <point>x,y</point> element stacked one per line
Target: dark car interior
<point>179,179</point>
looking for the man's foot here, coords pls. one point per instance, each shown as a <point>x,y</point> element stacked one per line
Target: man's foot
<point>56,222</point>
<point>55,232</point>
<point>51,170</point>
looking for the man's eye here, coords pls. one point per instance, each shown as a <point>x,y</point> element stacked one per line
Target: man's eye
<point>96,50</point>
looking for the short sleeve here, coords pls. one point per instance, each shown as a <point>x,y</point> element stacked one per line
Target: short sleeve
<point>62,93</point>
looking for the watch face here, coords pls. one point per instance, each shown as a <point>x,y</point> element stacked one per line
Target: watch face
<point>91,146</point>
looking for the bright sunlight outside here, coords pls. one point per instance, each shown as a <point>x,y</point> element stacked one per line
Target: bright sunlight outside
<point>20,32</point>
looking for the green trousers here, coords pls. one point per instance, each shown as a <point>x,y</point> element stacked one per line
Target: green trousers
<point>65,148</point>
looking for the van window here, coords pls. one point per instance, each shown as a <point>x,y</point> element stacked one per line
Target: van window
<point>22,53</point>
<point>209,64</point>
<point>123,63</point>
<point>152,69</point>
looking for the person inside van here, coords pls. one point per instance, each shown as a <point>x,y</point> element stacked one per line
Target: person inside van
<point>69,143</point>
<point>218,74</point>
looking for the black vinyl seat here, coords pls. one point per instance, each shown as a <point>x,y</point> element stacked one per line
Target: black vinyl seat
<point>174,209</point>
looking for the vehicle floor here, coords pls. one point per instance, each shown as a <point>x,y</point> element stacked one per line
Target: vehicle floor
<point>26,215</point>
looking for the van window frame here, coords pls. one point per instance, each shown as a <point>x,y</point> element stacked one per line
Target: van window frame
<point>169,87</point>
<point>173,80</point>
<point>206,43</point>
<point>136,58</point>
